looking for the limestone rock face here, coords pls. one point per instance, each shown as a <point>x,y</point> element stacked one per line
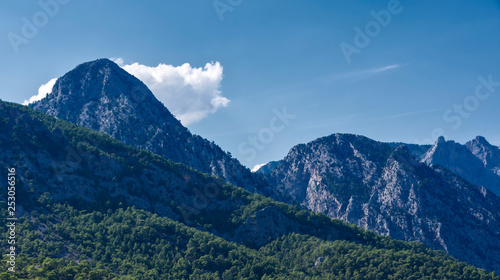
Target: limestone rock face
<point>487,153</point>
<point>386,189</point>
<point>102,96</point>
<point>477,161</point>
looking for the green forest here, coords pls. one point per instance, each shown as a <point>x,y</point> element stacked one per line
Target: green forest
<point>135,244</point>
<point>109,238</point>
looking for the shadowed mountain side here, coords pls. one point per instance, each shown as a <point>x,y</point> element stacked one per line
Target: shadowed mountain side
<point>477,161</point>
<point>102,96</point>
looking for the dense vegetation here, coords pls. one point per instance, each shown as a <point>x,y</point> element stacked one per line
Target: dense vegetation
<point>109,238</point>
<point>135,244</point>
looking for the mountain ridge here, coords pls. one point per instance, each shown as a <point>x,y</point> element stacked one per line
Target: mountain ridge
<point>388,190</point>
<point>97,208</point>
<point>374,185</point>
<point>102,96</point>
<point>477,161</point>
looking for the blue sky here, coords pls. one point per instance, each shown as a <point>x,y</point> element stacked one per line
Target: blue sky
<point>414,78</point>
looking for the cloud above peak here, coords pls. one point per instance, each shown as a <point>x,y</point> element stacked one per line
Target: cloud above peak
<point>43,90</point>
<point>190,93</point>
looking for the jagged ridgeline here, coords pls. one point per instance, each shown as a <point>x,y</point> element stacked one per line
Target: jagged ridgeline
<point>95,208</point>
<point>385,188</point>
<point>477,161</point>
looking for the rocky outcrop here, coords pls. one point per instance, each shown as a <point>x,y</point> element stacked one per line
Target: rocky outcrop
<point>487,153</point>
<point>101,96</point>
<point>477,161</point>
<point>385,189</point>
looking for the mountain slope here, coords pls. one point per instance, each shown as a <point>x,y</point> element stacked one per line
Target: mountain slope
<point>477,161</point>
<point>134,244</point>
<point>418,151</point>
<point>102,96</point>
<point>487,153</point>
<point>90,170</point>
<point>78,192</point>
<point>387,190</point>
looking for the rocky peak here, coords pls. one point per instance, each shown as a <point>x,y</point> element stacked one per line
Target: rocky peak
<point>482,140</point>
<point>102,96</point>
<point>487,153</point>
<point>386,189</point>
<point>477,161</point>
<point>418,151</point>
<point>99,90</point>
<point>404,155</point>
<point>448,150</point>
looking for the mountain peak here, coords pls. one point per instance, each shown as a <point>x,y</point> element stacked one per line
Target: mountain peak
<point>481,140</point>
<point>102,96</point>
<point>443,151</point>
<point>477,161</point>
<point>487,153</point>
<point>103,60</point>
<point>402,149</point>
<point>102,90</point>
<point>102,65</point>
<point>99,63</point>
<point>94,67</point>
<point>373,185</point>
<point>101,76</point>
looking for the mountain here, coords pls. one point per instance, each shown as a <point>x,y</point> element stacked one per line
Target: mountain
<point>361,181</point>
<point>102,96</point>
<point>418,151</point>
<point>487,153</point>
<point>387,190</point>
<point>90,207</point>
<point>477,161</point>
<point>61,162</point>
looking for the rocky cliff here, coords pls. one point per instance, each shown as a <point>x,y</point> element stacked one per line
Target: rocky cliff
<point>385,189</point>
<point>477,161</point>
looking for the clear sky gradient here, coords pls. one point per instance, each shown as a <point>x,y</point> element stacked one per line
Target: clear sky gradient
<point>408,78</point>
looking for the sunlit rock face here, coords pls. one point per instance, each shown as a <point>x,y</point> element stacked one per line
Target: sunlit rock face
<point>388,190</point>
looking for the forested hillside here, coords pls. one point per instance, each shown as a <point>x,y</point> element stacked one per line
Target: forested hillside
<point>91,207</point>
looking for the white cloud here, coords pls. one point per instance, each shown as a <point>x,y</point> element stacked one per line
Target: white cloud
<point>118,60</point>
<point>257,167</point>
<point>190,93</point>
<point>43,90</point>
